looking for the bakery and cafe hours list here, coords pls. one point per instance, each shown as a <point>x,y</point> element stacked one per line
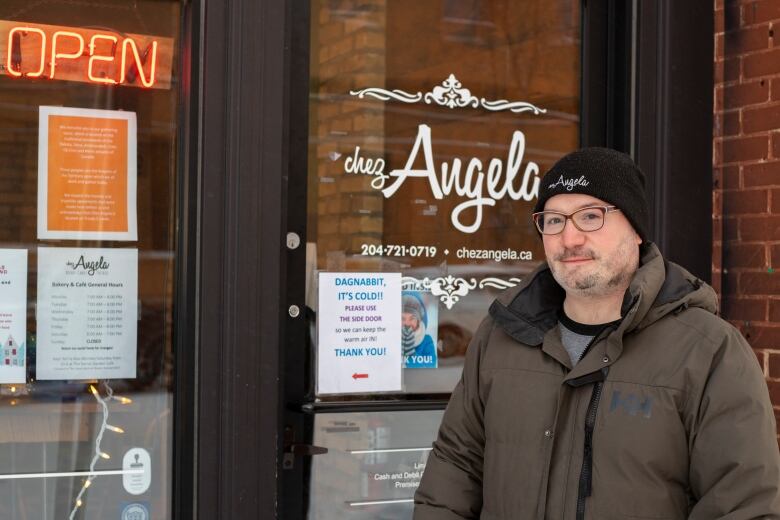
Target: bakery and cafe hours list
<point>87,313</point>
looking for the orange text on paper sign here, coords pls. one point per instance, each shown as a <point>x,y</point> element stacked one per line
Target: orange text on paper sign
<point>86,55</point>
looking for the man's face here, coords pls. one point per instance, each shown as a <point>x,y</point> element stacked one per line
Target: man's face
<point>592,263</point>
<point>408,320</point>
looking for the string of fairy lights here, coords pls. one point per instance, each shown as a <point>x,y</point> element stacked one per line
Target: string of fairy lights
<point>99,453</point>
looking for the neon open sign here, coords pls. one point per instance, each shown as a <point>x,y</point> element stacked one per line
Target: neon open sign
<point>87,55</point>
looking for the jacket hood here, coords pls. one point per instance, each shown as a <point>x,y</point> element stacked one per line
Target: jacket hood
<point>658,288</point>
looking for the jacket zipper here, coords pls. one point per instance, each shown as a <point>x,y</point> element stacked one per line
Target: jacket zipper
<point>586,475</point>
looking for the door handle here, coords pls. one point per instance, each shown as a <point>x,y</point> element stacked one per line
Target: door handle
<point>305,449</point>
<point>293,449</point>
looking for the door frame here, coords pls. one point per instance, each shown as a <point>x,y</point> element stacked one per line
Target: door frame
<point>241,354</point>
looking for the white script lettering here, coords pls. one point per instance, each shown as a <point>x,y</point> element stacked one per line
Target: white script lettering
<point>472,184</point>
<point>367,166</point>
<point>569,184</point>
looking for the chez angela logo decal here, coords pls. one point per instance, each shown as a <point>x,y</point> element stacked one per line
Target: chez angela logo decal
<point>481,186</point>
<point>90,266</point>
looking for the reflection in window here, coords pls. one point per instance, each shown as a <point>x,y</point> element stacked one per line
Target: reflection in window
<point>430,125</point>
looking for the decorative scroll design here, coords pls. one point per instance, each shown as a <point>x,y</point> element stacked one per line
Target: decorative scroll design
<point>498,283</point>
<point>451,289</point>
<point>514,106</point>
<point>451,94</point>
<point>386,95</point>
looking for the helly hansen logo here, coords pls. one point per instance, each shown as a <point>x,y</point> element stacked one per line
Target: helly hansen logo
<point>631,404</point>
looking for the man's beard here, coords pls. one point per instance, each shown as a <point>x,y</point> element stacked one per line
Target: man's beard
<point>609,274</point>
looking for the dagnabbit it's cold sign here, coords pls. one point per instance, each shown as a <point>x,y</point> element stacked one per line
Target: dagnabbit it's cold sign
<point>359,333</point>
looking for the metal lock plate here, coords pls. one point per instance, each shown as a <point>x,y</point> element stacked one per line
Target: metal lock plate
<point>293,240</point>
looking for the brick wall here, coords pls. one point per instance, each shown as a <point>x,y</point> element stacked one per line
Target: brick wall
<point>349,39</point>
<point>746,167</point>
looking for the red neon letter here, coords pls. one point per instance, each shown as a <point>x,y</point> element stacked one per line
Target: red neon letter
<point>9,64</point>
<point>138,63</point>
<point>55,54</point>
<point>94,58</point>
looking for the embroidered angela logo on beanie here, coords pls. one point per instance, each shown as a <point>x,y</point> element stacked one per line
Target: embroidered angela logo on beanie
<point>569,184</point>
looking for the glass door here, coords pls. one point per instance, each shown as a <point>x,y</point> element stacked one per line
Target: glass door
<point>430,124</point>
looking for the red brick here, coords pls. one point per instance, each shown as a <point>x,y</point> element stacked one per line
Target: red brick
<point>717,257</point>
<point>751,256</point>
<point>730,282</point>
<point>717,202</point>
<point>760,283</point>
<point>731,123</point>
<point>774,256</point>
<point>744,94</point>
<point>719,42</point>
<point>718,22</point>
<point>754,229</point>
<point>732,69</point>
<point>776,145</point>
<point>761,359</point>
<point>727,177</point>
<point>715,283</point>
<point>717,228</point>
<point>730,229</point>
<point>761,119</point>
<point>717,74</point>
<point>744,149</point>
<point>761,63</point>
<point>763,336</point>
<point>775,88</point>
<point>739,325</point>
<point>774,311</point>
<point>745,202</point>
<point>761,174</point>
<point>760,11</point>
<point>727,123</point>
<point>774,366</point>
<point>774,197</point>
<point>744,309</point>
<point>717,95</point>
<point>731,16</point>
<point>749,39</point>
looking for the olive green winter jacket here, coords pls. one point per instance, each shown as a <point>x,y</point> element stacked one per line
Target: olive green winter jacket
<point>666,416</point>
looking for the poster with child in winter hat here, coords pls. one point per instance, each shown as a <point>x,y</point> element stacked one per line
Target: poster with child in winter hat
<point>419,324</point>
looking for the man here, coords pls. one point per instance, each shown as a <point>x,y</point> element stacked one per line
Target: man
<point>604,386</point>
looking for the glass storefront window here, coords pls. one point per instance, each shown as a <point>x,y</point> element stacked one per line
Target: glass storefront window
<point>88,161</point>
<point>430,126</point>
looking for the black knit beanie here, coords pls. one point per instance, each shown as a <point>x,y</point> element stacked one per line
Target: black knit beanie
<point>602,173</point>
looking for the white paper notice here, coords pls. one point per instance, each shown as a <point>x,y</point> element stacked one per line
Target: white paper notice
<point>13,315</point>
<point>87,313</point>
<point>359,333</point>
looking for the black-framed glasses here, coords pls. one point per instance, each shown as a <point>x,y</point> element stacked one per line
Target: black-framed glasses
<point>586,219</point>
